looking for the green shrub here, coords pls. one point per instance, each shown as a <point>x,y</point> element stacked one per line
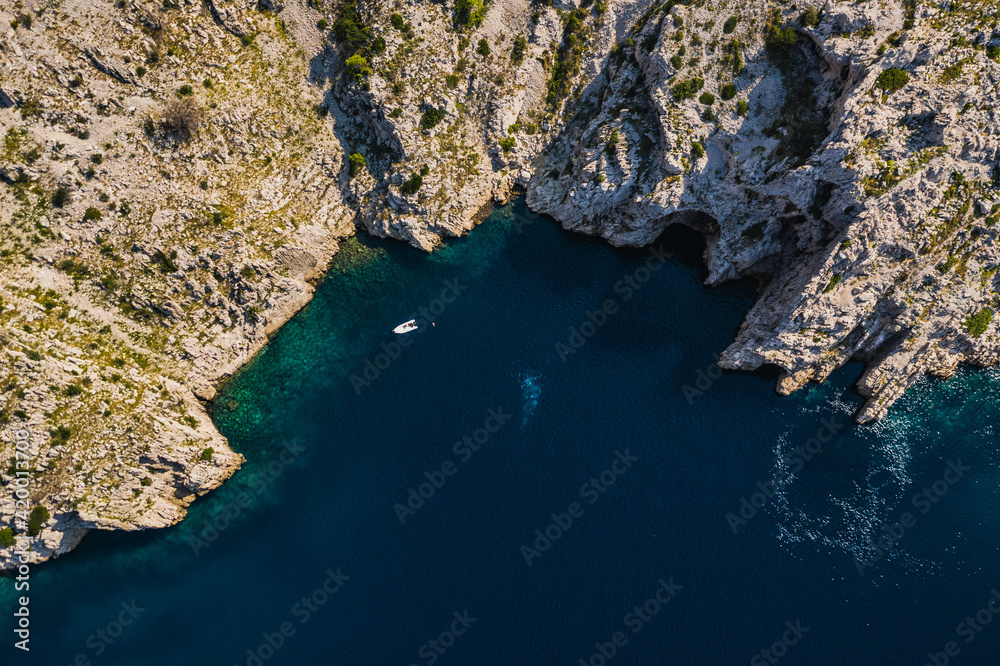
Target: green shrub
<point>613,141</point>
<point>348,29</point>
<point>708,114</point>
<point>76,81</point>
<point>322,25</point>
<point>97,158</point>
<point>424,169</point>
<point>39,516</point>
<point>518,50</point>
<point>993,52</point>
<point>730,24</point>
<point>146,481</point>
<point>7,539</point>
<point>892,80</point>
<point>357,162</point>
<point>185,90</point>
<point>507,144</point>
<point>779,41</point>
<point>207,454</point>
<point>247,40</point>
<point>166,261</point>
<point>742,108</point>
<point>834,281</point>
<point>431,117</point>
<point>568,57</point>
<point>697,151</point>
<point>469,12</point>
<point>676,62</point>
<point>397,21</point>
<point>396,113</point>
<point>686,89</point>
<point>31,108</point>
<point>809,18</point>
<point>483,48</point>
<point>451,81</point>
<point>412,185</point>
<point>77,269</point>
<point>951,73</point>
<point>92,214</point>
<point>976,324</point>
<point>140,71</point>
<point>707,98</point>
<point>728,91</point>
<point>357,66</point>
<point>61,197</point>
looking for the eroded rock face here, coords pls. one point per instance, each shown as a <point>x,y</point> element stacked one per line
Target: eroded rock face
<point>140,266</point>
<point>463,108</point>
<point>869,211</point>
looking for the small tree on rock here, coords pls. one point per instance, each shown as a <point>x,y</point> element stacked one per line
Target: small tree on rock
<point>892,80</point>
<point>181,117</point>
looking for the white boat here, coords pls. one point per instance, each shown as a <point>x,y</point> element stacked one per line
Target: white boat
<point>406,327</point>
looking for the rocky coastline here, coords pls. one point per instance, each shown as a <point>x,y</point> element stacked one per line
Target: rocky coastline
<point>177,176</point>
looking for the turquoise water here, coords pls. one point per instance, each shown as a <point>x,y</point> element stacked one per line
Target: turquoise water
<point>578,473</point>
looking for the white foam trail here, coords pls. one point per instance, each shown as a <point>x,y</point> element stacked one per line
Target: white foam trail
<point>531,393</point>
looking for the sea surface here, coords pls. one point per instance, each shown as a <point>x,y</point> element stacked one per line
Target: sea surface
<point>554,472</point>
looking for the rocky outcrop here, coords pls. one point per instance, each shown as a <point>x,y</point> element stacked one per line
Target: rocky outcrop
<point>141,265</point>
<point>115,70</point>
<point>864,201</point>
<point>465,107</point>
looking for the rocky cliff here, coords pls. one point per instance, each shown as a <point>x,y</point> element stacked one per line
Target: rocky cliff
<point>841,153</point>
<point>176,174</point>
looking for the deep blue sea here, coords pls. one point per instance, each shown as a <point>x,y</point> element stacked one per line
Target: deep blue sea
<point>552,473</point>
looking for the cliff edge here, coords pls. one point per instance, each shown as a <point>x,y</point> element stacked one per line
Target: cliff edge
<point>176,175</point>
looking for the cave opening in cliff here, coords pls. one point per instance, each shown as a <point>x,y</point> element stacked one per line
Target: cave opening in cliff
<point>685,236</point>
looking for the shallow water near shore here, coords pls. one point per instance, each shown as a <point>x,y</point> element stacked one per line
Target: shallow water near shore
<point>583,482</point>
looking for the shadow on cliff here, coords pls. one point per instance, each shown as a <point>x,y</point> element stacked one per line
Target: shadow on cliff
<point>353,121</point>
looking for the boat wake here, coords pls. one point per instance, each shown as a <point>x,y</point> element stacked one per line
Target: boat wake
<point>531,392</point>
